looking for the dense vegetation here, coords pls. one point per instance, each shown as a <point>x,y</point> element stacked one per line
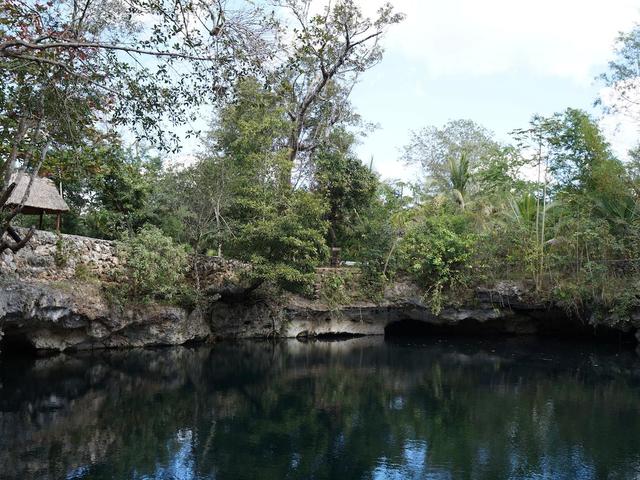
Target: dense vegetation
<point>277,181</point>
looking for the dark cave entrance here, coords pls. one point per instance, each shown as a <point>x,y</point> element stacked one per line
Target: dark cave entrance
<point>16,343</point>
<point>551,324</point>
<point>416,328</point>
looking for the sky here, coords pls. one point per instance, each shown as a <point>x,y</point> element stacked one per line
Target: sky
<point>496,62</point>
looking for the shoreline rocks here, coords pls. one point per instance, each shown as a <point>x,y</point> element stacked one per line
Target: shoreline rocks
<point>71,315</point>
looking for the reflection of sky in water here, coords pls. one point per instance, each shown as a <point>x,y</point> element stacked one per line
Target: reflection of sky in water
<point>412,465</point>
<point>77,473</point>
<point>397,403</point>
<point>182,465</point>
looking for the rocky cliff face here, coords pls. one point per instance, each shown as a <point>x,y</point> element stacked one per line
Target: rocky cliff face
<point>60,316</point>
<point>72,315</point>
<point>503,309</point>
<point>44,305</point>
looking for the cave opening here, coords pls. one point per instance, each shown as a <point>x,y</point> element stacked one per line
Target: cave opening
<point>337,336</point>
<point>415,328</point>
<point>552,325</point>
<point>16,344</point>
<point>407,328</point>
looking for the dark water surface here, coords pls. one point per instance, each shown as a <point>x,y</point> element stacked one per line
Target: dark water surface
<point>358,409</point>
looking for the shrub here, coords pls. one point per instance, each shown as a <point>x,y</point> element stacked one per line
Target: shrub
<point>436,253</point>
<point>62,254</point>
<point>285,247</point>
<point>334,289</point>
<point>154,266</point>
<point>83,272</point>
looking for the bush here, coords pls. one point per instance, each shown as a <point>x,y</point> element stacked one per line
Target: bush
<point>436,253</point>
<point>154,266</point>
<point>62,254</point>
<point>335,287</point>
<point>285,247</point>
<point>84,273</point>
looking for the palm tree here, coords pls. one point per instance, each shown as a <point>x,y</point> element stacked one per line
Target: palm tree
<point>459,176</point>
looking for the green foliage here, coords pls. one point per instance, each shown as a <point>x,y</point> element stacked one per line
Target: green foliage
<point>334,288</point>
<point>77,78</point>
<point>436,251</point>
<point>154,266</point>
<point>576,147</point>
<point>83,273</point>
<point>62,253</point>
<point>277,179</point>
<point>622,75</point>
<point>106,186</point>
<point>347,185</point>
<point>286,244</point>
<point>374,241</point>
<point>452,156</point>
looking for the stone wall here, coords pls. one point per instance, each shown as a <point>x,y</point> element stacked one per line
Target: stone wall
<point>49,256</point>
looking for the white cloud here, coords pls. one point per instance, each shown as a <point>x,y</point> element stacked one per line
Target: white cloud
<point>565,38</point>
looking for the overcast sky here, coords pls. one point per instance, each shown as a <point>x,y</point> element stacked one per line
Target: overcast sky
<point>493,61</point>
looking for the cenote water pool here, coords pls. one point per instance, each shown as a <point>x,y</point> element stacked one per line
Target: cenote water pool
<point>356,409</point>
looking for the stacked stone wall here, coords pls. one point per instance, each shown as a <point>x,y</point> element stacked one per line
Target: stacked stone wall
<point>50,256</point>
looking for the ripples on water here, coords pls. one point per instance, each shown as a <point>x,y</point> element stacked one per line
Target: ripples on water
<point>359,409</point>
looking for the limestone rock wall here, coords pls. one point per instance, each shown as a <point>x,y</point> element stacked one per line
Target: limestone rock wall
<point>73,315</point>
<point>49,256</point>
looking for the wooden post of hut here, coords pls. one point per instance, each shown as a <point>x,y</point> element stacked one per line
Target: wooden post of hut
<point>43,197</point>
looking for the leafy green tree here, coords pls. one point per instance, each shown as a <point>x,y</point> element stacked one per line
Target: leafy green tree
<point>260,219</point>
<point>575,147</point>
<point>436,250</point>
<point>451,156</point>
<point>70,67</point>
<point>347,185</point>
<point>106,186</point>
<point>136,62</point>
<point>286,245</point>
<point>376,234</point>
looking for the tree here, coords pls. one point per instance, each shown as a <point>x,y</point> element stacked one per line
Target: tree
<point>347,185</point>
<point>106,186</point>
<point>70,65</point>
<point>235,195</point>
<point>376,233</point>
<point>250,134</point>
<point>450,156</point>
<point>328,52</point>
<point>436,250</point>
<point>573,161</point>
<point>623,76</point>
<point>154,266</point>
<point>286,244</point>
<point>137,62</point>
<point>576,146</point>
<point>191,205</point>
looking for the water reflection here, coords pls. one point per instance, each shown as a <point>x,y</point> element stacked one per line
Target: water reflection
<point>360,409</point>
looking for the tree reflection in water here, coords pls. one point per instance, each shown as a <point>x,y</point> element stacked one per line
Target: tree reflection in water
<point>359,409</point>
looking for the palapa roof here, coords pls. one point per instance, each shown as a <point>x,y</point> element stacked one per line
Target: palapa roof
<point>43,196</point>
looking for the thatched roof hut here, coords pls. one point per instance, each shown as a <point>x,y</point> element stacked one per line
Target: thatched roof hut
<point>43,196</point>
